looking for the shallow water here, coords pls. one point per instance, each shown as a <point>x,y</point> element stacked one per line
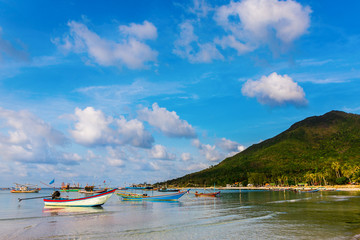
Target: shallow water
<point>245,215</point>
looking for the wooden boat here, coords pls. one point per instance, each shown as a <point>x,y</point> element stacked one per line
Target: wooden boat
<point>93,191</point>
<point>307,190</point>
<point>139,197</point>
<point>168,190</point>
<point>91,201</point>
<point>213,194</point>
<point>25,188</point>
<point>68,188</point>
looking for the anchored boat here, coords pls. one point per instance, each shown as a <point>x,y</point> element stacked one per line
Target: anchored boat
<point>139,197</point>
<point>213,194</point>
<point>25,188</point>
<point>91,201</point>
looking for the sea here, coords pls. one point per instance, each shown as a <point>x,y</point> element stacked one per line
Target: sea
<point>234,215</point>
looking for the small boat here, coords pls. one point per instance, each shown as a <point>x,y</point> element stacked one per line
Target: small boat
<point>308,190</point>
<point>93,191</point>
<point>25,188</point>
<point>139,197</point>
<point>213,194</point>
<point>168,190</point>
<point>91,201</point>
<point>68,188</point>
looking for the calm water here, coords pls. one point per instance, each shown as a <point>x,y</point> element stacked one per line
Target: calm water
<point>245,215</point>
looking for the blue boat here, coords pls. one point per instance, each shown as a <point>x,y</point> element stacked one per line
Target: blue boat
<point>140,197</point>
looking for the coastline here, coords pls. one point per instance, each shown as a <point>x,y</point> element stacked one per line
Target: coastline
<point>345,188</point>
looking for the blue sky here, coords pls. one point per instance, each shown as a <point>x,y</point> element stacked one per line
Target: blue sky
<point>145,91</point>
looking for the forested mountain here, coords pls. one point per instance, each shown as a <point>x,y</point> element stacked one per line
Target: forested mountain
<point>318,150</point>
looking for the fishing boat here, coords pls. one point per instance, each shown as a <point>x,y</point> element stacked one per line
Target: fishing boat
<point>168,190</point>
<point>91,201</point>
<point>139,197</point>
<point>307,190</point>
<point>213,194</point>
<point>68,188</point>
<point>93,191</point>
<point>25,188</point>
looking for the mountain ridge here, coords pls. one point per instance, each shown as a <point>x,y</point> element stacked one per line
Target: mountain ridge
<point>317,150</point>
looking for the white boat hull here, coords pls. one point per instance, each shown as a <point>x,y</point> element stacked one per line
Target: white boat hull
<point>91,201</point>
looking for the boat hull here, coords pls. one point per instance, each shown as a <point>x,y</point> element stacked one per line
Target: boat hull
<point>91,201</point>
<point>215,194</point>
<point>25,191</point>
<point>165,197</point>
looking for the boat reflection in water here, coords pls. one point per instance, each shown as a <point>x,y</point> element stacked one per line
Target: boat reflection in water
<point>59,210</point>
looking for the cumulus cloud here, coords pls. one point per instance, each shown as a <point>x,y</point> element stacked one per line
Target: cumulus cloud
<point>93,128</point>
<point>186,157</point>
<point>147,30</point>
<point>169,123</point>
<point>230,146</point>
<point>187,46</point>
<point>275,90</point>
<point>210,152</point>
<point>133,132</point>
<point>130,50</point>
<point>251,23</point>
<point>116,157</point>
<point>222,149</point>
<point>196,167</point>
<point>200,8</point>
<point>160,152</point>
<point>28,138</point>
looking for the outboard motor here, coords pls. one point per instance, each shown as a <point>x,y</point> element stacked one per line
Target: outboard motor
<point>55,195</point>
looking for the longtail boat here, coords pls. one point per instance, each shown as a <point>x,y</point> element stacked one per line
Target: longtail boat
<point>91,201</point>
<point>25,188</point>
<point>139,197</point>
<point>214,194</point>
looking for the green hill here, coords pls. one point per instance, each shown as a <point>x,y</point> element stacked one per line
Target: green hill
<point>318,150</point>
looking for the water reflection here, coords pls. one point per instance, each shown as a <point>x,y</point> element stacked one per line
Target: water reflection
<point>59,210</point>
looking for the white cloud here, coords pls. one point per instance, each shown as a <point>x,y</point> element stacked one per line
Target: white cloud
<point>147,30</point>
<point>210,152</point>
<point>129,51</point>
<point>251,23</point>
<point>196,167</point>
<point>93,128</point>
<point>230,146</point>
<point>169,123</point>
<point>71,158</point>
<point>28,138</point>
<point>187,46</point>
<point>200,8</point>
<point>134,133</point>
<point>222,149</point>
<point>275,90</point>
<point>116,157</point>
<point>186,157</point>
<point>160,152</point>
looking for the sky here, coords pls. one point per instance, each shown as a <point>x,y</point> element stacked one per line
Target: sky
<point>145,91</point>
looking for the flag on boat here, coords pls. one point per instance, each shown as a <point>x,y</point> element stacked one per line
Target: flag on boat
<point>52,181</point>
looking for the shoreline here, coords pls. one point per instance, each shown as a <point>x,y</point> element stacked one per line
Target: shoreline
<point>344,188</point>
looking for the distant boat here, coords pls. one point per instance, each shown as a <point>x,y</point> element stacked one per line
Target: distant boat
<point>68,188</point>
<point>93,191</point>
<point>91,201</point>
<point>168,190</point>
<point>25,188</point>
<point>213,194</point>
<point>307,190</point>
<point>139,197</point>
